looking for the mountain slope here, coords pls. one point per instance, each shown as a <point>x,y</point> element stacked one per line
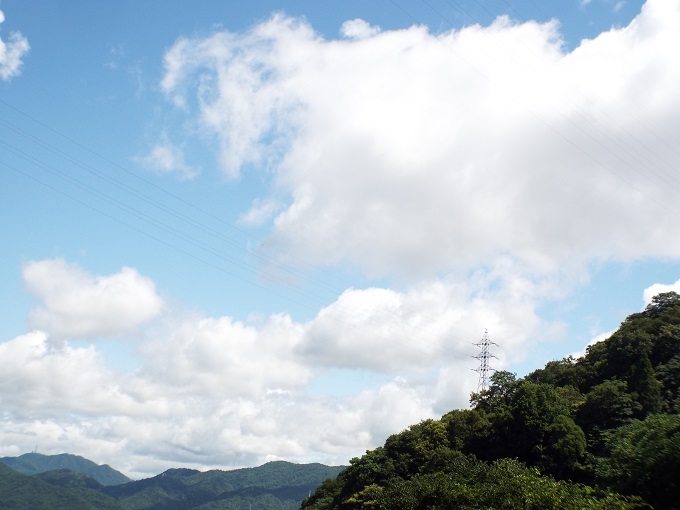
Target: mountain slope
<point>24,492</point>
<point>565,436</point>
<point>274,486</point>
<point>34,463</point>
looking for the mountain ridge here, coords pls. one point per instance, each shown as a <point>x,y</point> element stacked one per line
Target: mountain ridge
<point>35,463</point>
<point>277,485</point>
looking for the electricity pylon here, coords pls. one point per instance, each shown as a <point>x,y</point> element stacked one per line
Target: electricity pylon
<point>483,357</point>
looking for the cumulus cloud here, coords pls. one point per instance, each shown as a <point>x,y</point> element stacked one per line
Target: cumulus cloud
<point>450,150</point>
<point>418,329</point>
<point>659,288</point>
<point>39,381</point>
<point>228,358</point>
<point>12,53</point>
<point>65,399</point>
<point>217,392</point>
<point>358,29</point>
<point>76,304</point>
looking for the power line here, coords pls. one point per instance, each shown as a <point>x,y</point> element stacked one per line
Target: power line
<point>417,339</point>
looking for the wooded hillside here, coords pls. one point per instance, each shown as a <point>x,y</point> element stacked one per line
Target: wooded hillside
<point>602,431</point>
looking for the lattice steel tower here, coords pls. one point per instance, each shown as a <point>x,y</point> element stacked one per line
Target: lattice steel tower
<point>484,356</point>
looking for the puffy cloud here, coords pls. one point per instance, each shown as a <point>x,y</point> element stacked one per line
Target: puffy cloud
<point>659,288</point>
<point>450,150</point>
<point>223,357</point>
<point>39,380</point>
<point>358,29</point>
<point>429,324</point>
<point>12,53</point>
<point>78,305</point>
<point>216,392</point>
<point>67,400</point>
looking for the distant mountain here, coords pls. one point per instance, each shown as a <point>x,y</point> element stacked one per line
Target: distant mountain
<point>34,463</point>
<point>273,486</point>
<point>24,492</point>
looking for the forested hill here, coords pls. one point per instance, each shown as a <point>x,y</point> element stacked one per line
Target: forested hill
<point>602,431</point>
<point>34,463</point>
<point>273,486</point>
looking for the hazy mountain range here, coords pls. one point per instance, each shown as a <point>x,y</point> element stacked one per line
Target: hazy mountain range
<point>34,481</point>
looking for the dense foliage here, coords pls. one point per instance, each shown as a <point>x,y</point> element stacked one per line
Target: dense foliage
<point>23,492</point>
<point>601,431</point>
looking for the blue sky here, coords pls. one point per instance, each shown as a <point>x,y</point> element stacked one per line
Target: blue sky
<point>274,231</point>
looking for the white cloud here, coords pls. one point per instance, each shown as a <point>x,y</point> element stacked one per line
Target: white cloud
<point>167,158</point>
<point>11,53</point>
<point>358,29</point>
<point>40,380</point>
<point>216,392</point>
<point>78,305</point>
<point>451,150</point>
<point>227,358</point>
<point>67,400</point>
<point>431,324</point>
<point>659,288</point>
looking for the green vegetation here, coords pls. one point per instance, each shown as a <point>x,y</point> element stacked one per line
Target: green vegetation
<point>23,492</point>
<point>34,463</point>
<point>598,432</point>
<point>274,486</point>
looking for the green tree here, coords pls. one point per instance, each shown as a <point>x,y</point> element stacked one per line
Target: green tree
<point>647,388</point>
<point>643,458</point>
<point>669,377</point>
<point>468,429</point>
<point>566,448</point>
<point>606,406</point>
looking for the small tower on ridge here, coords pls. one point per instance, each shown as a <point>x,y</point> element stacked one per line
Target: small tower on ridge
<point>484,356</point>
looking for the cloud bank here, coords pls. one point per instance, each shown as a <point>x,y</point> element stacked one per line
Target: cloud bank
<point>218,392</point>
<point>453,149</point>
